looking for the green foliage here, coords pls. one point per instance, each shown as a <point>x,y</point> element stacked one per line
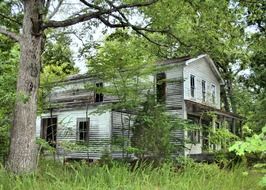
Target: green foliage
<point>56,176</point>
<point>124,64</point>
<point>254,144</point>
<point>252,107</point>
<point>57,55</point>
<point>153,131</point>
<point>251,97</point>
<point>223,137</point>
<point>58,63</point>
<point>44,146</point>
<point>9,55</point>
<point>185,162</point>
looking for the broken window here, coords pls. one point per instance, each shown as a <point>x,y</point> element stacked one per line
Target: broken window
<point>194,136</point>
<point>99,95</point>
<point>161,87</point>
<point>83,130</point>
<point>49,130</point>
<point>213,92</point>
<point>192,85</point>
<point>203,83</point>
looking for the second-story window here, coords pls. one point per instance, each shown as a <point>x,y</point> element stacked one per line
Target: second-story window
<point>99,95</point>
<point>213,93</point>
<point>192,85</point>
<point>203,83</point>
<point>161,87</point>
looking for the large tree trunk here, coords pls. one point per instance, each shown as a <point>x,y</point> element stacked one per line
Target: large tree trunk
<point>22,156</point>
<point>224,99</point>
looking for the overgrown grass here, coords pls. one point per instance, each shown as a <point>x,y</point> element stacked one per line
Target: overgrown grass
<point>119,177</point>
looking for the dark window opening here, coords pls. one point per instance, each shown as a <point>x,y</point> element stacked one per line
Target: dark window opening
<point>99,95</point>
<point>83,131</point>
<point>161,87</point>
<point>213,92</point>
<point>203,83</point>
<point>49,130</point>
<point>194,136</point>
<point>192,85</point>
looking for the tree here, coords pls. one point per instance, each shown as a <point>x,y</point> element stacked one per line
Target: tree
<point>36,19</point>
<point>57,64</point>
<point>204,27</point>
<point>250,87</point>
<point>9,56</point>
<point>57,53</point>
<point>153,131</point>
<point>124,64</point>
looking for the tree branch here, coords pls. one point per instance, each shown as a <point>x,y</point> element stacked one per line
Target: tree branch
<point>47,4</point>
<point>55,9</point>
<point>10,34</point>
<point>88,16</point>
<point>136,29</point>
<point>91,5</point>
<point>10,19</point>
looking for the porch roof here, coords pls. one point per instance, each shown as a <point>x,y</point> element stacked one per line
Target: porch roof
<point>196,108</point>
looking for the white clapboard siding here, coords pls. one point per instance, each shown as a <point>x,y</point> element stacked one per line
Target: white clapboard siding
<point>174,88</point>
<point>99,131</point>
<point>70,98</point>
<point>201,69</point>
<point>120,132</point>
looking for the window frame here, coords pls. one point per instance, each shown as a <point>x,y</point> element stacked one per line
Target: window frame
<point>86,131</point>
<point>44,129</point>
<point>194,136</point>
<point>98,97</point>
<point>161,87</point>
<point>213,93</point>
<point>203,90</point>
<point>192,85</point>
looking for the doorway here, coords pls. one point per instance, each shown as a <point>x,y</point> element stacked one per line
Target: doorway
<point>49,130</point>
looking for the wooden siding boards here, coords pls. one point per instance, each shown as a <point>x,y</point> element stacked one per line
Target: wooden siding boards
<point>201,69</point>
<point>120,132</point>
<point>99,132</point>
<point>71,97</point>
<point>174,100</point>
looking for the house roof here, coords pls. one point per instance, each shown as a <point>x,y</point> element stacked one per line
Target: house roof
<point>186,60</point>
<point>178,60</point>
<point>211,64</point>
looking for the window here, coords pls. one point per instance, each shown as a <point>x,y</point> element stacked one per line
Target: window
<point>213,92</point>
<point>194,136</point>
<point>99,95</point>
<point>161,87</point>
<point>83,130</point>
<point>203,83</point>
<point>192,85</point>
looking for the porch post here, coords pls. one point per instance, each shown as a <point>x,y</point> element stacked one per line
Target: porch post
<point>213,129</point>
<point>234,125</point>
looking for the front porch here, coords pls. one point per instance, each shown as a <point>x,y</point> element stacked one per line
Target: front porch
<point>210,120</point>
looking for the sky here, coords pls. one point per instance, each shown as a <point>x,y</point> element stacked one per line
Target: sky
<point>68,8</point>
<point>94,34</point>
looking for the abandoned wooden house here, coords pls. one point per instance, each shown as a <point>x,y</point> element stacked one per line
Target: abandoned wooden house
<point>192,91</point>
